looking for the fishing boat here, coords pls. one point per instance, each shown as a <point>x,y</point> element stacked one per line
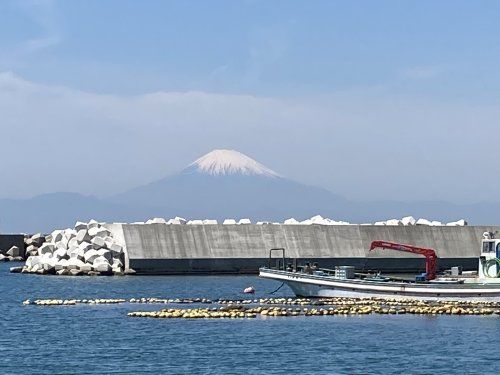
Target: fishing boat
<point>343,281</point>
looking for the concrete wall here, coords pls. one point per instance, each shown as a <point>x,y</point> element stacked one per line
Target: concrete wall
<point>160,248</point>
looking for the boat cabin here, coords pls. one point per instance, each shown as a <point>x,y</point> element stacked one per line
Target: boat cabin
<point>489,260</point>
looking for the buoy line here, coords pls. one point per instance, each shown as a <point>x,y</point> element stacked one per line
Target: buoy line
<point>276,311</point>
<point>283,306</point>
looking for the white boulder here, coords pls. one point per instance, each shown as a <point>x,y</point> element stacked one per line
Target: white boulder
<point>74,264</point>
<point>32,260</point>
<point>318,219</point>
<point>156,220</point>
<point>177,221</point>
<point>101,264</point>
<point>56,236</point>
<point>77,253</point>
<point>99,232</point>
<point>291,221</point>
<point>408,220</point>
<point>37,240</point>
<point>117,263</point>
<point>86,246</point>
<point>72,242</point>
<point>46,248</point>
<point>60,254</point>
<point>115,249</point>
<point>48,263</point>
<point>393,222</point>
<point>98,243</point>
<point>79,225</point>
<point>229,222</point>
<point>209,222</point>
<point>105,254</point>
<point>423,222</point>
<point>61,264</point>
<point>14,252</point>
<point>459,223</point>
<point>31,250</point>
<point>83,236</point>
<point>93,224</point>
<point>36,268</point>
<point>85,268</point>
<point>102,267</point>
<point>244,222</point>
<point>61,245</point>
<point>90,256</point>
<point>70,233</point>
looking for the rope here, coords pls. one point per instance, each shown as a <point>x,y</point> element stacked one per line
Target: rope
<point>487,265</point>
<point>281,286</point>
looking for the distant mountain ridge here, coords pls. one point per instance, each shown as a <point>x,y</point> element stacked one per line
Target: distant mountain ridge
<point>222,184</point>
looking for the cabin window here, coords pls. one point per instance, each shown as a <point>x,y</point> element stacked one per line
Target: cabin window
<point>488,247</point>
<point>498,248</point>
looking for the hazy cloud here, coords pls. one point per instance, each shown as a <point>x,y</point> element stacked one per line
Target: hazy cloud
<point>421,72</point>
<point>362,144</point>
<point>43,14</point>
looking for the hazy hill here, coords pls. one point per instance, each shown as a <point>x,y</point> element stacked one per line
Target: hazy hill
<point>222,184</point>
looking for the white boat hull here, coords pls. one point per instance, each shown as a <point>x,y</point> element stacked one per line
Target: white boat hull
<point>305,285</point>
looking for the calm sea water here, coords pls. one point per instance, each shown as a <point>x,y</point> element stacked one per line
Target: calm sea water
<point>103,340</point>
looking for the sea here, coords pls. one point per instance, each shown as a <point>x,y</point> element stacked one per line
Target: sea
<point>101,339</point>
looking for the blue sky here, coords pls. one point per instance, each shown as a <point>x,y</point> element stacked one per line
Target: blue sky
<point>262,47</point>
<point>344,94</point>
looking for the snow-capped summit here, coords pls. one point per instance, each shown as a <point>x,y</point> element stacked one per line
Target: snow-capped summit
<point>229,162</point>
<point>227,184</point>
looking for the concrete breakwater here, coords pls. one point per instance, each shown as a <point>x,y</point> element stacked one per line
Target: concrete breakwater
<point>160,248</point>
<point>181,249</point>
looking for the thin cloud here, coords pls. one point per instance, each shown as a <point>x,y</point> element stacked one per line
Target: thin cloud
<point>421,72</point>
<point>63,139</point>
<point>44,14</point>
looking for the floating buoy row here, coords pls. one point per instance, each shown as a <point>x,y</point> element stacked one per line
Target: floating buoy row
<point>395,302</point>
<point>275,311</point>
<point>194,314</point>
<point>322,306</point>
<point>61,302</point>
<point>171,300</point>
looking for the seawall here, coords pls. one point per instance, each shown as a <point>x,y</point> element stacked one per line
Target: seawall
<point>178,249</point>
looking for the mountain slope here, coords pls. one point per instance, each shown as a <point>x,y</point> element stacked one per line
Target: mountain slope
<point>226,183</point>
<point>47,212</point>
<point>223,184</point>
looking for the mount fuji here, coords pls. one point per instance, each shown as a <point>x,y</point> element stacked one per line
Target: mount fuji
<point>222,184</point>
<point>227,183</point>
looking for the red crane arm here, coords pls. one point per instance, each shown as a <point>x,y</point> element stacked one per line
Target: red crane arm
<point>430,254</point>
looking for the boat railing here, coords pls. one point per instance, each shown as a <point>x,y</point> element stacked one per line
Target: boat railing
<point>280,262</point>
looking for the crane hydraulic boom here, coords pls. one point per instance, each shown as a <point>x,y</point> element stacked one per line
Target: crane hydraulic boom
<point>430,254</point>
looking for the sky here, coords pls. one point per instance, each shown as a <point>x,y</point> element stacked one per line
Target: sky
<point>372,100</point>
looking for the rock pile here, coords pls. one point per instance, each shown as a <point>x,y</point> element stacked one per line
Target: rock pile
<point>33,243</point>
<point>406,221</point>
<point>87,249</point>
<point>315,220</point>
